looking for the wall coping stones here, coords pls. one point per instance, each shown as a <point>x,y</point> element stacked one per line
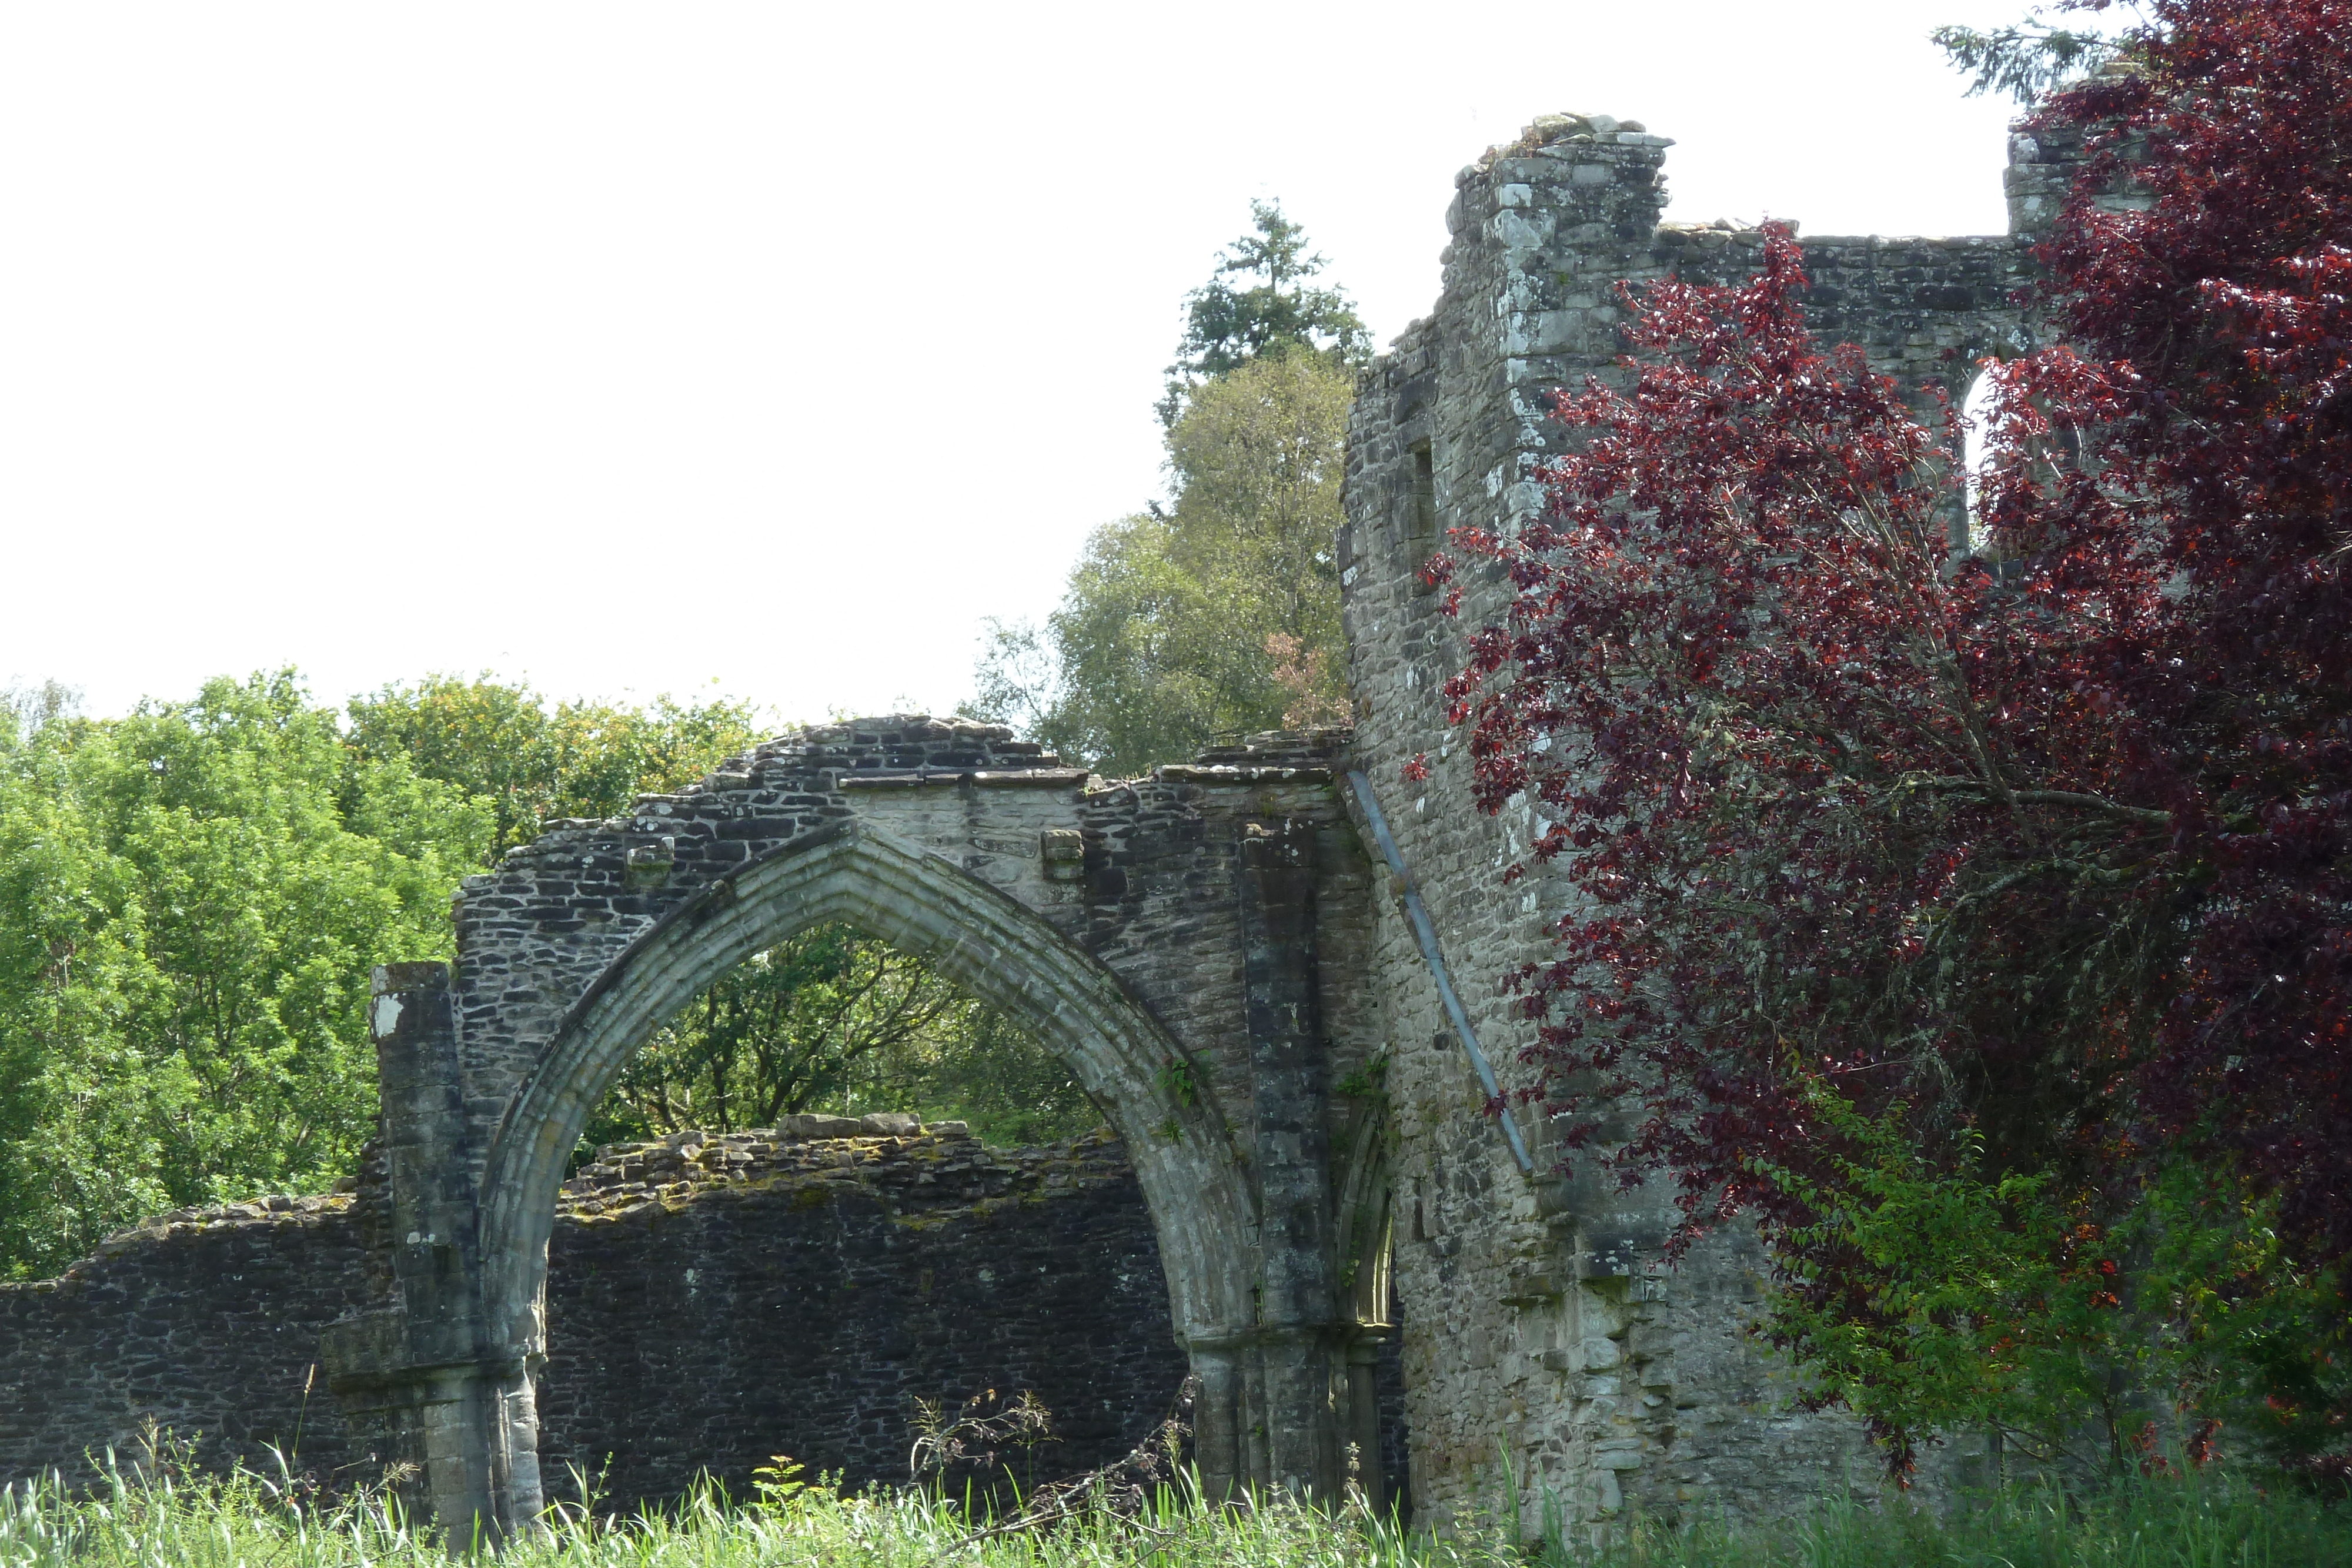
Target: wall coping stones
<point>1177,774</point>
<point>936,1169</point>
<point>896,1153</point>
<point>986,779</point>
<point>276,1209</point>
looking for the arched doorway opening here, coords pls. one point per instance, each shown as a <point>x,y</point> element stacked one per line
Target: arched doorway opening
<point>1195,946</point>
<point>1201,1206</point>
<point>836,1203</point>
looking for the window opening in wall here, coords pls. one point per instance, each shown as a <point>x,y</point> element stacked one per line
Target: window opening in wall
<point>1977,410</point>
<point>834,1022</point>
<point>1422,516</point>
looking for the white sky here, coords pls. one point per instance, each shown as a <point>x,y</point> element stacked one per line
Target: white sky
<point>631,348</point>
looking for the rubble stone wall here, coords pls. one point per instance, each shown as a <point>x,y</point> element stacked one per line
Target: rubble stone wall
<point>202,1321</point>
<point>712,1302</point>
<point>798,1298</point>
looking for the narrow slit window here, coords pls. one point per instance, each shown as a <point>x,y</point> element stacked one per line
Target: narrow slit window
<point>1977,410</point>
<point>1421,519</point>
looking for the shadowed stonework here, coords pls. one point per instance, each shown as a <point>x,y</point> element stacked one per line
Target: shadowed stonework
<point>800,1297</point>
<point>712,1302</point>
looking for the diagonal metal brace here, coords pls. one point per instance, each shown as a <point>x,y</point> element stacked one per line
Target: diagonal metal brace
<point>1427,937</point>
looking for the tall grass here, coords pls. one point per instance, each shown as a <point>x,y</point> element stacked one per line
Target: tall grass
<point>142,1520</point>
<point>2199,1522</point>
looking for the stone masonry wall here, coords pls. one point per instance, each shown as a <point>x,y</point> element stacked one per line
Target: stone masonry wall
<point>1195,943</point>
<point>203,1320</point>
<point>1540,1323</point>
<point>712,1302</point>
<point>1154,898</point>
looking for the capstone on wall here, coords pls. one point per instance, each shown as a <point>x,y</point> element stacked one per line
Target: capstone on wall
<point>1541,1321</point>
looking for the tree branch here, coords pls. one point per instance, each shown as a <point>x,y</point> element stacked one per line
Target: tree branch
<point>2075,799</point>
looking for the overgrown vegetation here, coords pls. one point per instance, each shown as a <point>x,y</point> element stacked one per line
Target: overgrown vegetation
<point>136,1517</point>
<point>1976,918</point>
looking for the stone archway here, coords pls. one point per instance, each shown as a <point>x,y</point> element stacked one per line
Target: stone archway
<point>978,937</point>
<point>1186,944</point>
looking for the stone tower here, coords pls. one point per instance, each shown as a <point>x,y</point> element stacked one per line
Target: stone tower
<point>1542,1325</point>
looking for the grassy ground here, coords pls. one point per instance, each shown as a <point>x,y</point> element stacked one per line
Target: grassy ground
<point>254,1522</point>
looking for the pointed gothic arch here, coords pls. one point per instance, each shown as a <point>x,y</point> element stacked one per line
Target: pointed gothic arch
<point>1185,943</point>
<point>975,936</point>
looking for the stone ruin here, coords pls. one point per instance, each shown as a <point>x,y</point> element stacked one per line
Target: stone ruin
<point>1541,1320</point>
<point>712,1302</point>
<point>1274,969</point>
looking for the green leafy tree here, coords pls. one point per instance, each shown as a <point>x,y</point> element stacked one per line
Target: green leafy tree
<point>25,710</point>
<point>2026,60</point>
<point>2017,1300</point>
<point>789,1030</point>
<point>191,899</point>
<point>831,1020</point>
<point>533,760</point>
<point>1269,309</point>
<point>1220,615</point>
<point>989,1071</point>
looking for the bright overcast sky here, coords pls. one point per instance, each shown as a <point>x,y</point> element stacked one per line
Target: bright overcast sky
<point>629,347</point>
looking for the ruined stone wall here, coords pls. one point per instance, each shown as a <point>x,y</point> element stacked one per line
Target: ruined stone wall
<point>1234,907</point>
<point>203,1320</point>
<point>800,1297</point>
<point>1194,944</point>
<point>1541,1320</point>
<point>712,1302</point>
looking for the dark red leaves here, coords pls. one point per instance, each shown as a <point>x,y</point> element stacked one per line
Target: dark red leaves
<point>2050,838</point>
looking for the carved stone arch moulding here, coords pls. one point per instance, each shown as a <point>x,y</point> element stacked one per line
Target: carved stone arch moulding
<point>972,933</point>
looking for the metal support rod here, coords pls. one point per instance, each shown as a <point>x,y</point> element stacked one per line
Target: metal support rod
<point>1435,958</point>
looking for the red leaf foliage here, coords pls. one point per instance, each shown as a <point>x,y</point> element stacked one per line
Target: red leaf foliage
<point>2045,838</point>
